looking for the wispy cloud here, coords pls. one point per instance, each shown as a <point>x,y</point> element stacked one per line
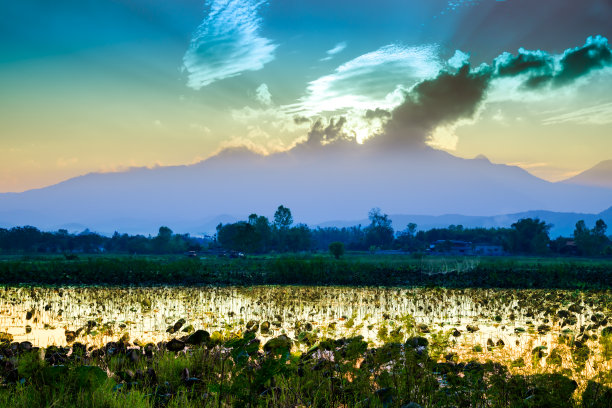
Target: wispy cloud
<point>546,171</point>
<point>336,50</point>
<point>263,95</point>
<point>227,43</point>
<point>528,165</point>
<point>593,115</point>
<point>369,80</point>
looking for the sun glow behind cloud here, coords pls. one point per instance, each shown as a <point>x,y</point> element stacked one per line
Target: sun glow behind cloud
<point>383,79</point>
<point>102,84</point>
<point>369,81</point>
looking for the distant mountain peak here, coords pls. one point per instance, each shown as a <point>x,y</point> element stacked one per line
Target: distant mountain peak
<point>599,175</point>
<point>482,157</point>
<point>606,213</point>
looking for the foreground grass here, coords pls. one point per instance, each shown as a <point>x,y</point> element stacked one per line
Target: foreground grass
<point>372,270</point>
<point>238,371</point>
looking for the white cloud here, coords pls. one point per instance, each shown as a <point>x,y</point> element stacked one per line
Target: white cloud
<point>369,81</point>
<point>263,95</point>
<point>336,50</point>
<point>227,43</point>
<point>459,59</point>
<point>499,116</point>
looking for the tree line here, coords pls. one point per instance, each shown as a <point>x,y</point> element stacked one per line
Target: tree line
<point>31,240</point>
<point>257,234</point>
<point>528,236</point>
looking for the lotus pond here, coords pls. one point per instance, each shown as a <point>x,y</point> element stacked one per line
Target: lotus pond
<point>544,332</point>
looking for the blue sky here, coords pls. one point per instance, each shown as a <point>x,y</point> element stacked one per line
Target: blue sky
<point>96,85</point>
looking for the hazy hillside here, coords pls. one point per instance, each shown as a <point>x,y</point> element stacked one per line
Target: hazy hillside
<point>563,223</point>
<point>599,175</point>
<point>321,184</point>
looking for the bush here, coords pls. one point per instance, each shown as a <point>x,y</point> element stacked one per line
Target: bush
<point>336,249</point>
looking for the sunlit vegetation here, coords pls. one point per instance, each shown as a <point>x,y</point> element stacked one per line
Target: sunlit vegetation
<point>305,346</point>
<point>334,329</point>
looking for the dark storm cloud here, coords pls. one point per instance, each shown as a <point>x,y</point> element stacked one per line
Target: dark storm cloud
<point>578,62</point>
<point>377,113</point>
<point>322,132</point>
<point>455,95</point>
<point>541,68</point>
<point>300,120</point>
<point>524,62</point>
<point>435,102</point>
<point>442,100</point>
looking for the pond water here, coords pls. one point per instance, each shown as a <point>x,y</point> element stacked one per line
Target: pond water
<point>42,315</point>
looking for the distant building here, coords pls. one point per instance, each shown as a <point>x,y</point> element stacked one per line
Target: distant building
<point>392,252</point>
<point>488,250</point>
<point>451,247</point>
<point>570,248</point>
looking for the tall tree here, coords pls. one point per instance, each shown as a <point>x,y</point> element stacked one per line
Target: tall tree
<point>591,242</point>
<point>162,242</point>
<point>298,238</point>
<point>406,239</point>
<point>240,236</point>
<point>336,249</point>
<point>379,233</point>
<point>263,232</point>
<point>282,217</point>
<point>529,236</point>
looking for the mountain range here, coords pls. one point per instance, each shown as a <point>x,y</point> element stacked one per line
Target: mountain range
<point>338,181</point>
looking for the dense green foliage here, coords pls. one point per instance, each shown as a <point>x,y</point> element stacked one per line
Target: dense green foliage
<point>366,270</point>
<point>258,235</point>
<point>236,371</point>
<point>594,241</point>
<point>525,237</point>
<point>29,239</point>
<point>529,236</point>
<point>336,249</point>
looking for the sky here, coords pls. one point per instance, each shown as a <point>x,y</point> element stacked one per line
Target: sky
<point>106,85</point>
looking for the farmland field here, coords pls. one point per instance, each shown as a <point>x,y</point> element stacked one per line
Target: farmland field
<point>309,345</point>
<point>310,269</point>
